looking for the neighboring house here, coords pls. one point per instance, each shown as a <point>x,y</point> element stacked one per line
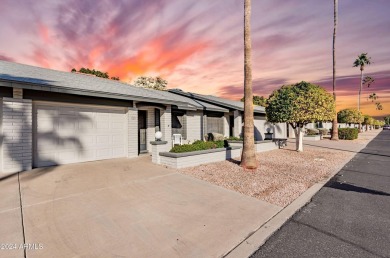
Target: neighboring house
<point>228,122</point>
<point>52,117</point>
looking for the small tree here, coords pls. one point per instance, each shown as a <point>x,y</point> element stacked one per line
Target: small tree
<point>155,83</point>
<point>258,100</point>
<point>97,73</point>
<point>298,105</point>
<point>387,120</point>
<point>367,120</point>
<point>350,116</point>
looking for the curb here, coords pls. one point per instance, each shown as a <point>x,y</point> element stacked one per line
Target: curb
<point>253,242</point>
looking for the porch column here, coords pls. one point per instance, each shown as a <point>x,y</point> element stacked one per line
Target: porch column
<point>204,119</point>
<point>132,134</point>
<point>226,126</point>
<point>166,125</point>
<point>16,148</point>
<point>237,124</point>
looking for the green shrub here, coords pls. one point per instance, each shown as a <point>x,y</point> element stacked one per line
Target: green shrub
<point>197,146</point>
<point>323,131</point>
<point>310,131</point>
<point>348,133</point>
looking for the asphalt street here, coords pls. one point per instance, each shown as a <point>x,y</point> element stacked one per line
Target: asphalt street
<point>349,217</point>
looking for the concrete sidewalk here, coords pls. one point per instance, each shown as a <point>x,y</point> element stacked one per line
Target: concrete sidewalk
<point>258,238</point>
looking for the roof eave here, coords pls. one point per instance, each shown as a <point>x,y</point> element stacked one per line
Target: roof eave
<point>66,90</point>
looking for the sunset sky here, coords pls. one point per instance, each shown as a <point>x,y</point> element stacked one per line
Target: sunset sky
<point>197,45</point>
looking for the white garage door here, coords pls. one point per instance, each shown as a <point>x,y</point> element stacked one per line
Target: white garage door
<point>69,133</point>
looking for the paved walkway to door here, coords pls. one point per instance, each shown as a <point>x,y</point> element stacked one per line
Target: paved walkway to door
<point>123,207</point>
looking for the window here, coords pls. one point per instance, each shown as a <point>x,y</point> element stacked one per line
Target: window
<point>157,119</point>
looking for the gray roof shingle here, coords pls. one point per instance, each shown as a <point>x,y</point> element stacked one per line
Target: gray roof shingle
<point>227,103</point>
<point>31,77</point>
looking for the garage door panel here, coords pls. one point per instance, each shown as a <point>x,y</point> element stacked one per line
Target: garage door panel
<point>118,139</point>
<point>86,124</point>
<point>88,141</point>
<point>69,111</point>
<point>87,155</point>
<point>105,153</point>
<point>47,112</point>
<point>68,134</point>
<point>118,152</point>
<point>117,125</point>
<point>47,142</point>
<point>66,157</point>
<point>102,140</point>
<point>102,126</point>
<point>46,125</point>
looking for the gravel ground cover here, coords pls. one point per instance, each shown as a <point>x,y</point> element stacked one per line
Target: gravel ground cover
<point>283,174</point>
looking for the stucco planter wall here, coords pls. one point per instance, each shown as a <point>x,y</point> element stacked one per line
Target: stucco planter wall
<point>259,145</point>
<point>312,137</point>
<point>195,158</point>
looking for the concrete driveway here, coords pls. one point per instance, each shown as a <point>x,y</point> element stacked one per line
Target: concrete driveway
<point>123,208</point>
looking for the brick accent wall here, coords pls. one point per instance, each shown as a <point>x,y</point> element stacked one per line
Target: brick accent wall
<point>166,126</point>
<point>16,133</point>
<point>156,149</point>
<point>132,118</point>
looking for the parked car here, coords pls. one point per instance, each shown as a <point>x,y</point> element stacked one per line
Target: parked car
<point>386,127</point>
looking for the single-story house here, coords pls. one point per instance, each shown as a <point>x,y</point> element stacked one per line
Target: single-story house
<point>52,117</point>
<point>230,122</point>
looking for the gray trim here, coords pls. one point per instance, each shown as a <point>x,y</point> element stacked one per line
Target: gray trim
<point>193,153</point>
<point>217,101</point>
<point>145,104</point>
<point>158,142</point>
<point>59,89</point>
<point>75,99</point>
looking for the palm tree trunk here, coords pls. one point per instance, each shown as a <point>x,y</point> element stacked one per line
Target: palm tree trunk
<point>360,93</point>
<point>248,159</point>
<point>335,133</point>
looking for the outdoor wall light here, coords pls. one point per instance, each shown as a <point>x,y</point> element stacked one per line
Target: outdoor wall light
<point>158,136</point>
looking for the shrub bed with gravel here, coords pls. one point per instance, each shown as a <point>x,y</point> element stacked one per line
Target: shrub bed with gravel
<point>197,146</point>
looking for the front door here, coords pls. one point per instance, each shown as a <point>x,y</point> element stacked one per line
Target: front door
<point>142,147</point>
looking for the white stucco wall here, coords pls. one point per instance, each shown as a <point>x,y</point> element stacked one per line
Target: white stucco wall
<point>194,125</point>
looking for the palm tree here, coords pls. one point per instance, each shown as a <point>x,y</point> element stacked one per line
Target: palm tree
<point>379,106</point>
<point>368,80</point>
<point>335,133</point>
<point>248,158</point>
<point>373,97</point>
<point>361,62</point>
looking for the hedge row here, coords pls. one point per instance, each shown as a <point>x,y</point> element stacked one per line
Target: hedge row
<point>197,146</point>
<point>348,133</point>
